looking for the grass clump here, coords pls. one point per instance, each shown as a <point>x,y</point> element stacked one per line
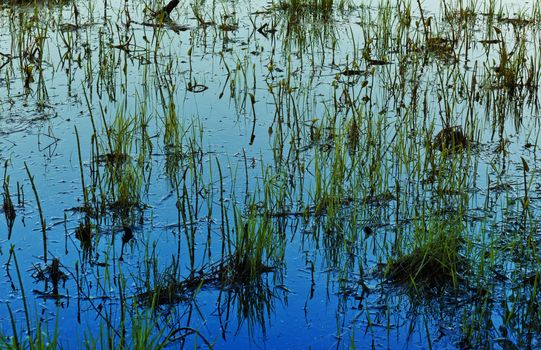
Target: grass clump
<point>304,5</point>
<point>436,263</point>
<point>251,253</point>
<point>451,139</point>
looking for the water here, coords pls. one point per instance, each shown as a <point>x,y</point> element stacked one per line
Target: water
<point>338,205</point>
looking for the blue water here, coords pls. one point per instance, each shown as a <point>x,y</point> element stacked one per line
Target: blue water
<point>314,299</point>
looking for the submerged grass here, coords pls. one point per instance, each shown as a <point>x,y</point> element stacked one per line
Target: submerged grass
<point>375,159</point>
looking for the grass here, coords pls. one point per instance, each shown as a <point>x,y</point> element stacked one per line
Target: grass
<point>438,262</point>
<point>380,150</point>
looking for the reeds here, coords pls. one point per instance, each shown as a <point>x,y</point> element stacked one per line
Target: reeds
<point>368,148</point>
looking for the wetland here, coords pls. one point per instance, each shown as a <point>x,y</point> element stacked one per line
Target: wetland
<point>293,174</point>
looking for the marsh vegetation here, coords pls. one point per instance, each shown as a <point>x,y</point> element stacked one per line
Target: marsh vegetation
<point>293,174</point>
